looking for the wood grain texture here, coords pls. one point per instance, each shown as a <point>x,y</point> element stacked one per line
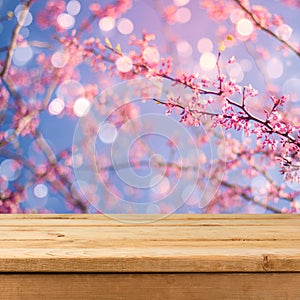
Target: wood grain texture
<point>177,243</point>
<point>185,286</point>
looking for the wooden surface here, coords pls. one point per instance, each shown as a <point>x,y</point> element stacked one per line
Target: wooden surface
<point>179,257</point>
<point>178,243</point>
<point>192,286</point>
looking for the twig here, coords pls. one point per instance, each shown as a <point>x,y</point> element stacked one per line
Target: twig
<point>14,39</point>
<point>183,108</point>
<point>257,22</point>
<point>252,199</point>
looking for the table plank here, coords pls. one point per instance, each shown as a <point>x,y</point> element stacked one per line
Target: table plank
<point>192,286</point>
<point>176,243</point>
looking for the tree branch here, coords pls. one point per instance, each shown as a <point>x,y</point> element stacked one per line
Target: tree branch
<point>257,22</point>
<point>14,38</point>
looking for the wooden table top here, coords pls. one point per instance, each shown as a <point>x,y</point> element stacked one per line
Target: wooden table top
<point>176,243</point>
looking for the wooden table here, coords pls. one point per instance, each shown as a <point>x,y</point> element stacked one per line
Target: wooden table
<point>178,257</point>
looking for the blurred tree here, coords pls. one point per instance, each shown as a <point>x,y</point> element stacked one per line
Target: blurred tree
<point>237,61</point>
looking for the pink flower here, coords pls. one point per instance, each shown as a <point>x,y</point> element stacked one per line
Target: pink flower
<point>232,60</point>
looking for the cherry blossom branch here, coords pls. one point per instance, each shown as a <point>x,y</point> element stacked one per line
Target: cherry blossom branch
<point>120,7</point>
<point>175,80</point>
<point>23,123</point>
<point>267,127</point>
<point>251,199</point>
<point>43,145</point>
<point>267,153</point>
<point>29,116</point>
<point>174,165</point>
<point>257,22</point>
<point>62,182</point>
<point>26,162</point>
<point>201,90</point>
<point>242,106</point>
<point>51,88</point>
<point>266,123</point>
<point>8,83</point>
<point>13,43</point>
<point>59,184</point>
<point>173,104</point>
<point>220,91</point>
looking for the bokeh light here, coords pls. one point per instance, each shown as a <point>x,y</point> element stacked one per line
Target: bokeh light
<point>160,185</point>
<point>18,9</point>
<point>124,64</point>
<point>205,45</point>
<point>151,55</point>
<point>284,31</point>
<point>59,59</point>
<point>107,23</point>
<point>125,26</point>
<point>108,133</point>
<point>73,7</point>
<point>181,2</point>
<point>208,61</point>
<point>10,169</point>
<point>65,21</point>
<point>56,106</point>
<point>40,191</point>
<point>18,12</point>
<point>244,27</point>
<point>275,68</point>
<point>184,48</point>
<point>183,15</point>
<point>235,72</point>
<point>81,107</point>
<point>22,55</point>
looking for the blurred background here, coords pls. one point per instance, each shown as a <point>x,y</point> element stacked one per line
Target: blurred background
<point>187,31</point>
